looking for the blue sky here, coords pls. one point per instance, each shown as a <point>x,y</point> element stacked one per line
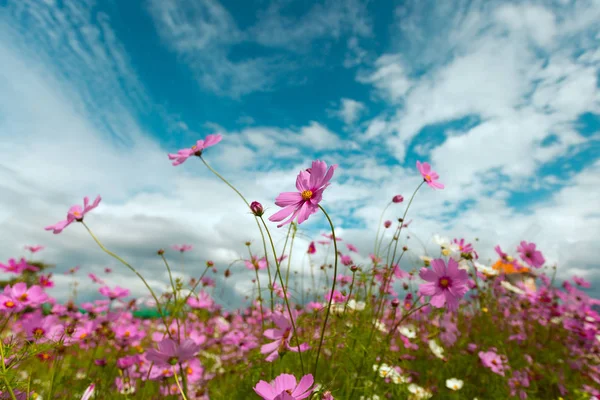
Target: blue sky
<point>502,98</point>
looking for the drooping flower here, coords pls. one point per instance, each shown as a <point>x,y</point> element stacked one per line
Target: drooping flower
<point>305,201</point>
<point>195,150</point>
<point>530,255</point>
<point>311,248</point>
<point>113,294</point>
<point>429,176</point>
<point>75,213</point>
<point>445,284</point>
<point>255,263</point>
<point>18,267</point>
<point>351,247</point>
<point>284,387</point>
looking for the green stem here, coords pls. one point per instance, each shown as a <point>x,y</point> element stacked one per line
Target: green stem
<point>110,253</point>
<point>375,247</point>
<point>331,295</point>
<point>285,296</point>
<point>257,224</point>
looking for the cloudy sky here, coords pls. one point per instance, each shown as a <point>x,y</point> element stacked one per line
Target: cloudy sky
<point>502,98</point>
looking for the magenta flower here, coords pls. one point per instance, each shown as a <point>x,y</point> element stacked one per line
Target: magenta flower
<point>530,255</point>
<point>18,267</point>
<point>581,282</point>
<point>387,223</point>
<point>195,150</point>
<point>257,208</point>
<point>429,176</point>
<point>465,248</point>
<point>282,336</point>
<point>182,248</point>
<point>446,284</point>
<point>351,247</point>
<point>398,198</point>
<point>171,353</point>
<point>75,213</point>
<point>305,201</point>
<point>311,248</point>
<point>284,387</point>
<point>202,301</point>
<point>493,361</point>
<point>34,249</point>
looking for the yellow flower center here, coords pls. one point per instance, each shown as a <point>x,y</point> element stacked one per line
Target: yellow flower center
<point>444,282</point>
<point>23,297</point>
<point>189,371</point>
<point>77,213</point>
<point>428,178</point>
<point>83,336</point>
<point>9,304</point>
<point>306,195</point>
<point>38,332</point>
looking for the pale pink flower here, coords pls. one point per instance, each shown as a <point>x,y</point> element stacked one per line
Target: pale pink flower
<point>445,284</point>
<point>530,255</point>
<point>281,337</point>
<point>34,249</point>
<point>429,176</point>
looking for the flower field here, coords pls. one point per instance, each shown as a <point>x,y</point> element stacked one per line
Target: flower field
<point>449,328</point>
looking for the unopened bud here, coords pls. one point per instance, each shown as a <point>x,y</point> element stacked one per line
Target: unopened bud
<point>161,252</point>
<point>257,208</point>
<point>248,244</point>
<point>209,263</point>
<point>354,268</point>
<point>387,224</point>
<point>404,248</point>
<point>398,198</point>
<point>395,303</point>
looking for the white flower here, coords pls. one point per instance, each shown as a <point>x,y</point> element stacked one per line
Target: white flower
<point>448,248</point>
<point>408,330</point>
<point>419,392</point>
<point>380,325</point>
<point>356,305</point>
<point>436,349</point>
<point>427,260</point>
<point>454,384</point>
<point>375,397</point>
<point>485,269</point>
<point>462,264</point>
<point>386,371</point>
<point>509,286</point>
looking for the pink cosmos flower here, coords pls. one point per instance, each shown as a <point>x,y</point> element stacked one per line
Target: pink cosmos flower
<point>75,213</point>
<point>42,329</point>
<point>493,361</point>
<point>581,282</point>
<point>95,279</point>
<point>387,223</point>
<point>182,248</point>
<point>351,247</point>
<point>429,176</point>
<point>530,255</point>
<point>34,249</point>
<point>465,248</point>
<point>311,248</point>
<point>398,198</point>
<point>305,201</point>
<point>171,353</point>
<point>255,263</point>
<point>18,267</point>
<point>346,259</point>
<point>330,236</point>
<point>116,293</point>
<point>445,284</point>
<point>33,296</point>
<point>284,387</point>
<point>89,392</point>
<point>282,336</point>
<point>195,150</point>
<point>202,301</point>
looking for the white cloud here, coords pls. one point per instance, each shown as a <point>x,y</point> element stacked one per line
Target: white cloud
<point>350,110</point>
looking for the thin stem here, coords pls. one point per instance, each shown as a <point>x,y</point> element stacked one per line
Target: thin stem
<point>110,253</point>
<point>178,385</point>
<point>12,394</point>
<point>257,224</point>
<point>332,290</point>
<point>375,247</point>
<point>287,274</point>
<point>285,296</point>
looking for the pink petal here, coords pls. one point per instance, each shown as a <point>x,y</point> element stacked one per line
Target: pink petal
<point>317,173</point>
<point>284,382</point>
<point>265,390</point>
<point>211,140</point>
<point>306,210</point>
<point>288,198</point>
<point>282,214</point>
<point>439,267</point>
<point>302,390</point>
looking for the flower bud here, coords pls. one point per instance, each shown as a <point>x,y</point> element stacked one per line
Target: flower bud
<point>354,268</point>
<point>395,303</point>
<point>398,198</point>
<point>209,263</point>
<point>257,208</point>
<point>387,224</point>
<point>160,252</point>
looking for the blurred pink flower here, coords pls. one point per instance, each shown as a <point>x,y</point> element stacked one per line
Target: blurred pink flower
<point>34,249</point>
<point>445,284</point>
<point>18,267</point>
<point>75,213</point>
<point>195,150</point>
<point>255,263</point>
<point>305,201</point>
<point>182,248</point>
<point>282,336</point>
<point>172,353</point>
<point>493,361</point>
<point>116,293</point>
<point>429,176</point>
<point>530,255</point>
<point>351,247</point>
<point>284,387</point>
<point>311,248</point>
